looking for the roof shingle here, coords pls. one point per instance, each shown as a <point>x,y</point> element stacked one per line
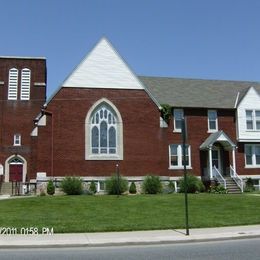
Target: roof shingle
<point>199,93</point>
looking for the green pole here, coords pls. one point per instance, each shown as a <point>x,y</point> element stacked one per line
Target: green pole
<point>117,175</point>
<point>185,176</point>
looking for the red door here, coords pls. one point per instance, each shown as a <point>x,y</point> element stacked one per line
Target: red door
<point>16,172</point>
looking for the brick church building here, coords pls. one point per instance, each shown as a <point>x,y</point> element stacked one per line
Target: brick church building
<point>104,115</point>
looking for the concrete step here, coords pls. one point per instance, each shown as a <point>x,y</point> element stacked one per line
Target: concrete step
<point>232,186</point>
<point>6,188</point>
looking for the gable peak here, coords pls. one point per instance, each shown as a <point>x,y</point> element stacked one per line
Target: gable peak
<point>103,67</point>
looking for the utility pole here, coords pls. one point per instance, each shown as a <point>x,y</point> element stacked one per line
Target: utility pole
<point>185,175</point>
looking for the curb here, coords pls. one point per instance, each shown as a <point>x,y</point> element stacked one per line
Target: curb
<point>131,243</point>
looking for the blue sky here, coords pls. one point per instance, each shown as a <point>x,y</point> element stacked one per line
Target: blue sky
<point>209,39</point>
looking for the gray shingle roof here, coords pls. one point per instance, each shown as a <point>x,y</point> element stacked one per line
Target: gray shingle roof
<point>214,137</point>
<point>197,92</point>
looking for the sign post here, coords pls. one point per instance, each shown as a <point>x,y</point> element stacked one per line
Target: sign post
<point>118,180</point>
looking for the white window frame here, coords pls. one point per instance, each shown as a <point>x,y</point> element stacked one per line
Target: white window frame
<point>25,84</point>
<point>13,84</point>
<point>175,112</point>
<point>253,149</point>
<point>254,120</point>
<point>211,130</point>
<point>179,157</point>
<point>17,140</point>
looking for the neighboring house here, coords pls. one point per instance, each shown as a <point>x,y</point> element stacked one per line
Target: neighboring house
<point>104,115</point>
<point>223,125</point>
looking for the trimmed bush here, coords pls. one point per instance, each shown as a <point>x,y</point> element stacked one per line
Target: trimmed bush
<point>194,184</point>
<point>112,187</point>
<point>42,193</point>
<point>50,187</point>
<point>93,187</point>
<point>132,188</point>
<point>218,189</point>
<point>72,186</point>
<point>249,185</point>
<point>152,185</point>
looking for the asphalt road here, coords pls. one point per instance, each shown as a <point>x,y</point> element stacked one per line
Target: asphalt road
<point>232,249</point>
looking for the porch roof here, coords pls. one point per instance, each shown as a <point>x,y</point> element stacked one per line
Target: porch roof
<point>220,137</point>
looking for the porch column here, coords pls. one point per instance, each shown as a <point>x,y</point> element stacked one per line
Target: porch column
<point>210,163</point>
<point>234,158</point>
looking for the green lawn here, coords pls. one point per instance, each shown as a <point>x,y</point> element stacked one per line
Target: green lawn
<point>142,212</point>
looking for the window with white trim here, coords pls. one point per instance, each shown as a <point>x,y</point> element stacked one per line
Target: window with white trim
<point>103,132</point>
<point>253,120</point>
<point>212,121</point>
<point>25,84</point>
<point>13,84</point>
<point>252,155</point>
<point>17,139</point>
<point>176,160</point>
<point>178,116</point>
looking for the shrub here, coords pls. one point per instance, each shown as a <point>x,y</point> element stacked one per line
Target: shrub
<point>42,193</point>
<point>218,189</point>
<point>132,188</point>
<point>152,185</point>
<point>249,185</point>
<point>72,186</point>
<point>93,187</point>
<point>50,187</point>
<point>194,184</point>
<point>112,187</point>
<point>171,187</point>
<point>166,112</point>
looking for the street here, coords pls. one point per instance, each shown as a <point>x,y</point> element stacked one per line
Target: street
<point>231,249</point>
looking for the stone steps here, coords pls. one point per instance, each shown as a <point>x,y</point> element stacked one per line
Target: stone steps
<point>6,189</point>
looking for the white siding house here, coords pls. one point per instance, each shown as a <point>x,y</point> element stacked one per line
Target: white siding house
<point>248,117</point>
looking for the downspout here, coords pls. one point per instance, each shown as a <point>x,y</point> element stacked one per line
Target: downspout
<point>49,113</point>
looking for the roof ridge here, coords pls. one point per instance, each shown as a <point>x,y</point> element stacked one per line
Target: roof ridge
<point>199,79</point>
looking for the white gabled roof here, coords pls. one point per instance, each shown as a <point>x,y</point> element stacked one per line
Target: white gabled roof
<point>103,68</point>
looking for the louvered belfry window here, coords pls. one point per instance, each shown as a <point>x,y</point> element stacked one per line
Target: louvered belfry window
<point>25,84</point>
<point>13,84</point>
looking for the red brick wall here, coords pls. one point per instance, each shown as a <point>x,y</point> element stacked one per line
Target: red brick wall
<point>241,162</point>
<point>145,146</point>
<point>145,143</point>
<point>16,116</point>
<point>197,133</point>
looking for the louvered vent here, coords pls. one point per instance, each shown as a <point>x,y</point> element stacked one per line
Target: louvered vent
<point>13,84</point>
<point>25,84</point>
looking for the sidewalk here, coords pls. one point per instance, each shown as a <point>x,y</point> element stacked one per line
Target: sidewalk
<point>129,238</point>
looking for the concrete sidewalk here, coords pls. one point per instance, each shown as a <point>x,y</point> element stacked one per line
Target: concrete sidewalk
<point>129,238</point>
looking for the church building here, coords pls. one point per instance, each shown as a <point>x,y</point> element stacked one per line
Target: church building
<point>104,116</point>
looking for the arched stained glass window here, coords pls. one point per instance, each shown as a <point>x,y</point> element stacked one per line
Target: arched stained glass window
<point>103,131</point>
<point>95,140</point>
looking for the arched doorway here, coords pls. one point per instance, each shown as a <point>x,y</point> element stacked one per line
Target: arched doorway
<point>15,169</point>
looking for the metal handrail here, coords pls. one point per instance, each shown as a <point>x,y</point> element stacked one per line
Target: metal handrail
<point>219,177</point>
<point>238,180</point>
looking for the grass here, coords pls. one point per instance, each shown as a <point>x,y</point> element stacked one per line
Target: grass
<point>142,212</point>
